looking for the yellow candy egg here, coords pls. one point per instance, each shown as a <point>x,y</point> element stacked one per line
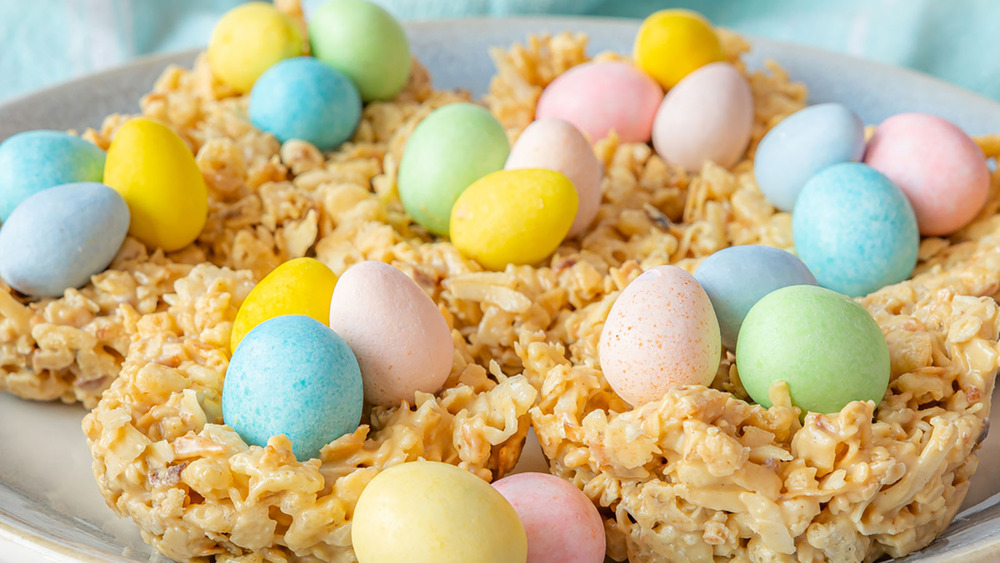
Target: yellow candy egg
<point>302,286</point>
<point>248,40</point>
<point>674,43</point>
<point>513,216</point>
<point>152,168</point>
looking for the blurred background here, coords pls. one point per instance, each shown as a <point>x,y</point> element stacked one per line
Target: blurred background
<point>44,42</point>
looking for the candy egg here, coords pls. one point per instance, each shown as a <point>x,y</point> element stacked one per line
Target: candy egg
<point>158,177</point>
<point>59,237</point>
<point>600,97</point>
<point>292,375</point>
<point>364,42</point>
<point>401,340</point>
<point>435,512</point>
<point>801,145</point>
<point>826,346</point>
<point>302,98</point>
<point>248,40</point>
<point>35,160</point>
<point>560,521</point>
<point>940,169</point>
<point>303,286</point>
<point>855,230</point>
<point>661,333</point>
<point>555,144</point>
<point>450,149</point>
<point>708,116</point>
<point>737,277</point>
<point>513,217</point>
<point>672,44</point>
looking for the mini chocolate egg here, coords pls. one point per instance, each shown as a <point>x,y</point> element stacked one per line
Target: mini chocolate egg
<point>560,521</point>
<point>600,97</point>
<point>672,44</point>
<point>940,169</point>
<point>247,40</point>
<point>557,145</point>
<point>401,340</point>
<point>35,160</point>
<point>738,276</point>
<point>661,333</point>
<point>826,346</point>
<point>292,375</point>
<point>855,230</point>
<point>708,116</point>
<point>302,98</point>
<point>430,512</point>
<point>801,145</point>
<point>59,237</point>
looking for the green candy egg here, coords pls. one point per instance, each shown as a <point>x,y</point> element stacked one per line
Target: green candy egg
<point>363,41</point>
<point>825,345</point>
<point>449,150</point>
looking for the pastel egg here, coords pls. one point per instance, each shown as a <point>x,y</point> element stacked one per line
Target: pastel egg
<point>513,217</point>
<point>59,237</point>
<point>292,375</point>
<point>302,98</point>
<point>600,97</point>
<point>449,150</point>
<point>826,346</point>
<point>855,230</point>
<point>247,40</point>
<point>672,44</point>
<point>661,333</point>
<point>707,117</point>
<point>738,276</point>
<point>557,145</point>
<point>435,512</point>
<point>560,521</point>
<point>940,169</point>
<point>35,160</point>
<point>801,145</point>
<point>158,177</point>
<point>302,286</point>
<point>364,42</point>
<point>401,340</point>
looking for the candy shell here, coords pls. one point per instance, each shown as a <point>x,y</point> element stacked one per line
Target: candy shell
<point>672,44</point>
<point>247,40</point>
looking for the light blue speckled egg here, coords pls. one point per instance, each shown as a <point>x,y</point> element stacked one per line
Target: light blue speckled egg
<point>295,376</point>
<point>801,145</point>
<point>35,160</point>
<point>855,229</point>
<point>302,98</point>
<point>737,277</point>
<point>59,237</point>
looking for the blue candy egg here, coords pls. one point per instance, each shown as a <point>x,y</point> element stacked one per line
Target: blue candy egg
<point>855,230</point>
<point>302,98</point>
<point>59,237</point>
<point>35,160</point>
<point>801,145</point>
<point>737,277</point>
<point>295,376</point>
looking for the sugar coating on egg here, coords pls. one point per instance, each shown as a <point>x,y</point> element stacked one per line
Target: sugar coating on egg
<point>672,44</point>
<point>247,40</point>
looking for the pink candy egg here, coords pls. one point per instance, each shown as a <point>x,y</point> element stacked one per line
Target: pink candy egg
<point>940,169</point>
<point>602,97</point>
<point>561,522</point>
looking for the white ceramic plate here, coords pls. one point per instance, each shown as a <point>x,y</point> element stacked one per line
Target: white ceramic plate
<point>49,503</point>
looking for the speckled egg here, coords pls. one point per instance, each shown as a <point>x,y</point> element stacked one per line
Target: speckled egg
<point>801,145</point>
<point>35,160</point>
<point>435,512</point>
<point>661,333</point>
<point>738,276</point>
<point>59,237</point>
<point>940,169</point>
<point>707,117</point>
<point>248,39</point>
<point>292,375</point>
<point>855,229</point>
<point>600,97</point>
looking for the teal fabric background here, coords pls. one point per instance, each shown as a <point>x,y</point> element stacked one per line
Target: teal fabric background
<point>48,41</point>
